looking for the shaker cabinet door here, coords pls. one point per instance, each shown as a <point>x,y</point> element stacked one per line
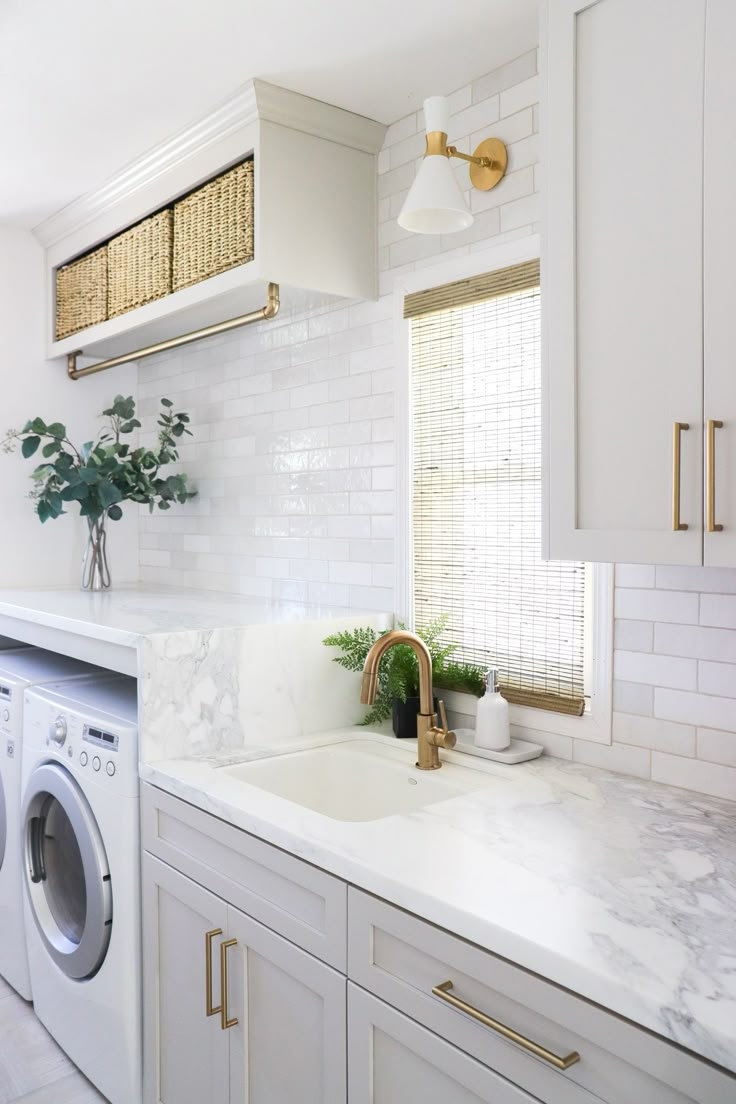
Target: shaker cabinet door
<point>622,279</point>
<point>186,1051</point>
<point>719,267</point>
<point>288,1044</point>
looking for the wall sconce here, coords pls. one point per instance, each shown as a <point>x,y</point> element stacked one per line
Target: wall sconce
<point>435,203</point>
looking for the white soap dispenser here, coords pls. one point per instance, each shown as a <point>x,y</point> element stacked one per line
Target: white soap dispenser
<point>492,719</point>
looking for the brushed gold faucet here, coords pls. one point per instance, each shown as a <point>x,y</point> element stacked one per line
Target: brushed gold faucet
<point>429,736</point>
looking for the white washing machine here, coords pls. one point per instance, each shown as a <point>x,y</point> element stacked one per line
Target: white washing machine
<point>82,875</point>
<point>19,669</point>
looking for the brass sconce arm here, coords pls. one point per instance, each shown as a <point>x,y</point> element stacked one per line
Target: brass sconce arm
<point>487,163</point>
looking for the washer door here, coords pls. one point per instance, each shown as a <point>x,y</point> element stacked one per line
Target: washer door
<point>67,872</point>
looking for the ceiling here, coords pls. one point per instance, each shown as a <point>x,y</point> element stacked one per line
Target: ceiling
<point>86,86</point>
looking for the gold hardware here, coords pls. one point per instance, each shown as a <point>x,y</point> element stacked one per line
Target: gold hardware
<point>677,430</point>
<point>429,736</point>
<point>269,311</point>
<point>211,1010</point>
<point>487,163</point>
<point>710,476</point>
<point>562,1063</point>
<point>225,1021</point>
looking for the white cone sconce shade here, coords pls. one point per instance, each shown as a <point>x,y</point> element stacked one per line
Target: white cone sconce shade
<point>435,203</point>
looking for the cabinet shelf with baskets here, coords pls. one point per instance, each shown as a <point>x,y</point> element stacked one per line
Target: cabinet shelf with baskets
<point>313,193</point>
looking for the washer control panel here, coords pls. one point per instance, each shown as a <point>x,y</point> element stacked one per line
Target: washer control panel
<point>107,740</point>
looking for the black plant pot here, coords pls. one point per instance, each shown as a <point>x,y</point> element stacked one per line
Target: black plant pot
<point>404,715</point>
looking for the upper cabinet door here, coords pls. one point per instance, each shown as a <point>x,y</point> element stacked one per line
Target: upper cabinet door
<point>622,279</point>
<point>719,264</point>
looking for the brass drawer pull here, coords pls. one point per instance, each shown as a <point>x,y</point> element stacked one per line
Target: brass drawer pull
<point>677,430</point>
<point>443,992</point>
<point>225,1021</point>
<point>209,1006</point>
<point>710,476</point>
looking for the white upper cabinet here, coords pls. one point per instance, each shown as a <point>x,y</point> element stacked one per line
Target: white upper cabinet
<point>719,253</point>
<point>314,215</point>
<point>623,277</point>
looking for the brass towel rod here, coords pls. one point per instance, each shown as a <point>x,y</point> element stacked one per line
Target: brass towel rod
<point>269,311</point>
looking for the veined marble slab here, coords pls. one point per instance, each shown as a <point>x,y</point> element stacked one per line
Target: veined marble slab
<point>623,891</point>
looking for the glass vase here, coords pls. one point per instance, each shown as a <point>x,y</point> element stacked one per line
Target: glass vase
<point>95,568</point>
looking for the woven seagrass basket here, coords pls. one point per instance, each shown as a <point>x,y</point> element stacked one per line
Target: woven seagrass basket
<point>139,264</point>
<point>81,293</point>
<point>213,227</point>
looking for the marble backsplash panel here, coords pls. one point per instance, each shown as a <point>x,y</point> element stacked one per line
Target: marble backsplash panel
<point>229,689</point>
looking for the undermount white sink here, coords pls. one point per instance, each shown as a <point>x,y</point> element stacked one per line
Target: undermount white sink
<point>357,780</point>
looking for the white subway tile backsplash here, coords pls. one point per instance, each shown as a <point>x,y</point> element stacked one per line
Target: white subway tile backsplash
<point>694,774</point>
<point>698,709</point>
<point>716,746</point>
<point>633,697</point>
<point>635,575</point>
<point>718,610</point>
<point>717,678</point>
<point>657,735</point>
<point>657,605</point>
<point>615,757</point>
<point>655,670</point>
<point>634,636</point>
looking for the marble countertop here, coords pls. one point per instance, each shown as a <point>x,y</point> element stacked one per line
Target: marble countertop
<point>621,890</point>
<point>127,614</point>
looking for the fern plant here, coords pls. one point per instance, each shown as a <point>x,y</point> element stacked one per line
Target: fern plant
<point>398,674</point>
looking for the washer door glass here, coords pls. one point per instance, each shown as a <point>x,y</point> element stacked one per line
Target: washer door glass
<point>67,873</point>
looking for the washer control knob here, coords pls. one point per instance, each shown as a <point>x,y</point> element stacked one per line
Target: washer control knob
<point>110,768</point>
<point>6,714</point>
<point>96,763</point>
<point>57,731</point>
<point>84,758</point>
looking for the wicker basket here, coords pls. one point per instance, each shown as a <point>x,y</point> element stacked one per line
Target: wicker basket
<point>81,293</point>
<point>213,227</point>
<point>139,264</point>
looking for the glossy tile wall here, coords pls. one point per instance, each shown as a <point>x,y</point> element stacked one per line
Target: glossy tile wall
<point>294,458</point>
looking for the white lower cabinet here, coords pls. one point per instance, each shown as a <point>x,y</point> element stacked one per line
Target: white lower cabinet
<point>393,1060</point>
<point>276,1028</point>
<point>242,1011</point>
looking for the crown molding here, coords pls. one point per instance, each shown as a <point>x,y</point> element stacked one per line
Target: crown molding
<point>254,101</point>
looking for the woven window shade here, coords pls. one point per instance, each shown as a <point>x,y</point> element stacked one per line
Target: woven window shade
<point>477,468</point>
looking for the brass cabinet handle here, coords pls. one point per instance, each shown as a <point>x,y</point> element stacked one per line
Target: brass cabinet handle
<point>225,1021</point>
<point>562,1063</point>
<point>677,430</point>
<point>710,476</point>
<point>210,1007</point>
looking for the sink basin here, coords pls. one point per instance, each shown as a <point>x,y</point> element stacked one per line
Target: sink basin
<point>357,780</point>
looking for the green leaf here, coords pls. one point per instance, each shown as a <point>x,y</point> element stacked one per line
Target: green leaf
<point>166,402</point>
<point>38,425</point>
<point>29,446</point>
<point>56,429</point>
<point>51,448</point>
<point>115,513</point>
<point>109,493</point>
<point>86,449</point>
<point>43,511</point>
<point>89,475</point>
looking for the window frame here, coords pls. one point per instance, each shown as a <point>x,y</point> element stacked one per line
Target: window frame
<point>595,723</point>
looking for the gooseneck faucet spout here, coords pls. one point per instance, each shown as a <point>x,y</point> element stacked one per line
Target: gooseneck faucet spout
<point>429,736</point>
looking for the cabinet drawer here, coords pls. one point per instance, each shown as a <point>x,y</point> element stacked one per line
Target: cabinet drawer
<point>289,896</point>
<point>401,959</point>
<point>392,1060</point>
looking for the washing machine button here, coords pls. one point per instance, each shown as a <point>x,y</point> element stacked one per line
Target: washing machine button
<point>84,758</point>
<point>96,763</point>
<point>110,768</point>
<point>6,714</point>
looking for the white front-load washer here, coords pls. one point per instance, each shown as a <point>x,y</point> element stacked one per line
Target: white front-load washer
<point>82,875</point>
<point>19,669</point>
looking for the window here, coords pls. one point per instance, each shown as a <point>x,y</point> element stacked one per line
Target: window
<point>475,471</point>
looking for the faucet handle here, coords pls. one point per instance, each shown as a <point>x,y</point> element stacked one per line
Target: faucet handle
<point>444,738</point>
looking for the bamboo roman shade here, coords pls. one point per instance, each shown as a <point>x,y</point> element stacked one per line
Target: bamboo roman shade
<point>477,472</point>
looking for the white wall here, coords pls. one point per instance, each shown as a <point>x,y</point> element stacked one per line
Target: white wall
<point>295,449</point>
<point>32,554</point>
